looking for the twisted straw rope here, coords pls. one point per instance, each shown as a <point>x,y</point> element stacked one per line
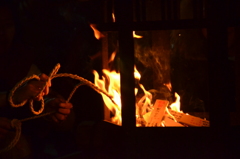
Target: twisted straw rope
<point>17,123</point>
<point>10,97</point>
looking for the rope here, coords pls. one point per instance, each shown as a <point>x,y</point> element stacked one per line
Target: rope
<point>17,123</point>
<point>10,99</point>
<point>85,82</point>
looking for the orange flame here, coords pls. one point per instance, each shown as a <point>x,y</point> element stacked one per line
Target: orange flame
<point>113,18</point>
<point>136,36</point>
<point>176,105</point>
<point>110,83</point>
<point>113,89</point>
<point>97,33</point>
<point>169,86</point>
<point>112,57</point>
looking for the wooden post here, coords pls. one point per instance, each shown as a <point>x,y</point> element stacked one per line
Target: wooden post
<point>124,20</point>
<point>219,93</point>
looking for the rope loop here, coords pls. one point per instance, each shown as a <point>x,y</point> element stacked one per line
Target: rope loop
<point>17,123</point>
<point>19,84</point>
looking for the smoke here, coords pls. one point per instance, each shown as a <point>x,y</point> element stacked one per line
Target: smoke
<point>152,56</point>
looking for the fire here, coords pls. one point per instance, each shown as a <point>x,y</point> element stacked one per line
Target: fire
<point>134,34</point>
<point>97,33</point>
<point>137,36</point>
<point>112,57</point>
<point>176,105</point>
<point>169,86</point>
<point>110,83</point>
<point>113,18</point>
<point>113,88</point>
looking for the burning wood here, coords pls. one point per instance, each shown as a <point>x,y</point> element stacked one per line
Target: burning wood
<point>161,114</point>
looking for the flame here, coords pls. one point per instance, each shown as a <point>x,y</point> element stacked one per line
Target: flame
<point>136,74</point>
<point>163,123</point>
<point>137,36</point>
<point>134,34</point>
<point>113,88</point>
<point>167,111</point>
<point>97,33</point>
<point>169,86</point>
<point>112,57</point>
<point>113,18</point>
<point>110,83</point>
<point>176,105</point>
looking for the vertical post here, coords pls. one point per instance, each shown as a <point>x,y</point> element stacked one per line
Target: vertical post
<point>176,9</point>
<point>136,12</point>
<point>168,10</point>
<point>198,9</point>
<point>124,19</point>
<point>139,10</point>
<point>219,87</point>
<point>143,10</point>
<point>163,9</point>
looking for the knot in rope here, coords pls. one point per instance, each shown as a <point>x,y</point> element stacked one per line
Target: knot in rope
<point>10,97</point>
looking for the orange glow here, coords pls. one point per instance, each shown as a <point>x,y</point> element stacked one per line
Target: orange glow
<point>137,36</point>
<point>97,33</point>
